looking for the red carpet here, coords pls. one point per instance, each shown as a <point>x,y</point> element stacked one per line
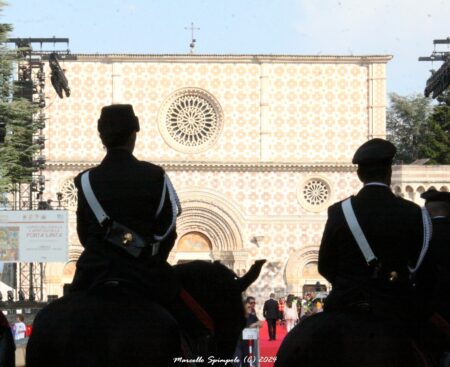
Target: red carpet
<point>268,348</point>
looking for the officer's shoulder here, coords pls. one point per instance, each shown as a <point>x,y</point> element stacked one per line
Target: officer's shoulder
<point>77,178</point>
<point>151,168</point>
<point>406,204</point>
<point>338,205</point>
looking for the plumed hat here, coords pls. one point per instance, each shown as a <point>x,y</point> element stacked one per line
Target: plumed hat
<point>117,119</point>
<point>434,195</point>
<point>374,152</point>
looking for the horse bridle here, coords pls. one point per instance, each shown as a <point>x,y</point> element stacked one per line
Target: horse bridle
<point>198,311</point>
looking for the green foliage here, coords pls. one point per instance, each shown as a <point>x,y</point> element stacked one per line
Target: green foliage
<point>17,152</point>
<point>435,144</point>
<point>405,122</point>
<point>5,61</point>
<point>420,129</point>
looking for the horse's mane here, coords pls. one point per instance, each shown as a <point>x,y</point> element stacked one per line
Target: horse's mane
<point>216,289</point>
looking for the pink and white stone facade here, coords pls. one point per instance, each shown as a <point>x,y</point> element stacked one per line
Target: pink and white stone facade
<point>275,137</point>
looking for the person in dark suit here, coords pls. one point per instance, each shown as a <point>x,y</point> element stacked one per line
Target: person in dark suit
<point>270,313</point>
<point>438,205</point>
<point>136,194</point>
<point>394,232</point>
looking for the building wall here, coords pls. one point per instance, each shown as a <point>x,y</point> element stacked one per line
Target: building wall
<point>295,109</point>
<point>411,181</point>
<point>287,127</point>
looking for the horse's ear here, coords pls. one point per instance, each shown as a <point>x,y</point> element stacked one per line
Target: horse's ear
<point>248,278</point>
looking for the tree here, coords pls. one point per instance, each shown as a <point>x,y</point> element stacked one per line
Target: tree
<point>406,121</point>
<point>435,144</point>
<point>16,114</point>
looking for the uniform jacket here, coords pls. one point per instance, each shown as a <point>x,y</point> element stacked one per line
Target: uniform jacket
<point>270,309</point>
<point>131,193</point>
<point>393,228</point>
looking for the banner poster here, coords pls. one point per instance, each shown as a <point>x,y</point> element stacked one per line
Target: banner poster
<point>33,236</point>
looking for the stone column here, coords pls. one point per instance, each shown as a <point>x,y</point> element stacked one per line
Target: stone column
<point>376,103</point>
<point>116,85</point>
<point>265,130</point>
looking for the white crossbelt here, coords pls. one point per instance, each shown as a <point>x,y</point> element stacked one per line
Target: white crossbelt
<point>357,232</point>
<point>102,216</point>
<point>427,232</point>
<point>364,246</point>
<point>92,199</point>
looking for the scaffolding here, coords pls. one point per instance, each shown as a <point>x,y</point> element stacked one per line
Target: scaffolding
<point>440,79</point>
<point>28,278</point>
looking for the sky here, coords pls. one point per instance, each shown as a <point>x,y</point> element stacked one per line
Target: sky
<point>404,29</point>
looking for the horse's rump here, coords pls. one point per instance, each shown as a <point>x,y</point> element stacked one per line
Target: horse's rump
<point>346,340</point>
<point>115,325</point>
<point>109,326</point>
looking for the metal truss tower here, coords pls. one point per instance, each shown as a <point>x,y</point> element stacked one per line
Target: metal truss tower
<point>440,79</point>
<point>29,277</point>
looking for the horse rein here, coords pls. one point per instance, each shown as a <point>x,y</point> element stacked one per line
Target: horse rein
<point>197,310</point>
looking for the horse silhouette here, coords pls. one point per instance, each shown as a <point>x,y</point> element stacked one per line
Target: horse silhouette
<point>114,325</point>
<point>357,339</point>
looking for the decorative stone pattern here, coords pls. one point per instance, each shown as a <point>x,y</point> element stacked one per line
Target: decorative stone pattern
<point>315,114</point>
<point>191,120</point>
<point>147,85</point>
<point>318,111</point>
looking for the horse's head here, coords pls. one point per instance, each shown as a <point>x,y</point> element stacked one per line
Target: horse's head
<point>218,290</point>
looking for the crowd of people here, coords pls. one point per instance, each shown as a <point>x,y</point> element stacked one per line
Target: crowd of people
<point>289,311</point>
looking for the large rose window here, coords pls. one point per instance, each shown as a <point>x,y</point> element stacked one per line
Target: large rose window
<point>191,120</point>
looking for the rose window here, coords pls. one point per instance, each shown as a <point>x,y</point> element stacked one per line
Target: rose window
<point>314,194</point>
<point>69,194</point>
<point>191,120</point>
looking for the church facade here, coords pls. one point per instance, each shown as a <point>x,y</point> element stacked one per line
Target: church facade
<point>257,147</point>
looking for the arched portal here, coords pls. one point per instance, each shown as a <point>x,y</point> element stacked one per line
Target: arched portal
<point>209,229</point>
<point>193,246</point>
<point>301,272</point>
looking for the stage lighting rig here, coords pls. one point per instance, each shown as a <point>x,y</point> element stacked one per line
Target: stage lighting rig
<point>439,80</point>
<point>36,60</point>
<point>21,295</point>
<point>58,78</point>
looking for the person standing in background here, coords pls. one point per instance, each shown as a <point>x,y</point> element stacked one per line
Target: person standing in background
<point>270,313</point>
<point>290,313</point>
<point>281,305</point>
<point>19,328</point>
